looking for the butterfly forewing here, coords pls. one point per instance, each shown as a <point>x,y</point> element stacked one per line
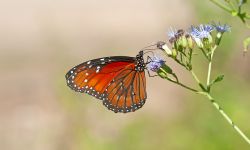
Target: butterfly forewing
<point>93,77</point>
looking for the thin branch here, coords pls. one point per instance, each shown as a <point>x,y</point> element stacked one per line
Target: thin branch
<point>229,120</point>
<point>185,86</point>
<point>198,81</point>
<point>221,5</point>
<point>210,65</point>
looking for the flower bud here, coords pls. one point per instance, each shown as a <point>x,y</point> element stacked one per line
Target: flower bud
<point>210,39</point>
<point>207,42</point>
<point>164,71</point>
<point>198,42</point>
<point>167,50</point>
<point>174,53</point>
<point>182,42</point>
<point>190,41</point>
<point>218,38</point>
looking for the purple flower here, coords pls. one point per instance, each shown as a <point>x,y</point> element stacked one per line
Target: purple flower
<point>202,31</point>
<point>172,33</point>
<point>222,28</point>
<point>155,63</point>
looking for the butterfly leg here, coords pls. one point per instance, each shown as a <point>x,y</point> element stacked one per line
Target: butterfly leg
<point>150,74</point>
<point>149,60</point>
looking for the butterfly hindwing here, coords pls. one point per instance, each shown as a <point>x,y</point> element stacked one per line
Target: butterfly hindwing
<point>126,93</point>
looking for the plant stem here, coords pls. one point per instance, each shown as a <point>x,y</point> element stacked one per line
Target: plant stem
<point>229,120</point>
<point>195,77</point>
<point>231,4</point>
<point>221,5</point>
<point>197,80</point>
<point>209,72</point>
<point>180,84</point>
<point>210,65</point>
<point>204,53</point>
<point>179,62</point>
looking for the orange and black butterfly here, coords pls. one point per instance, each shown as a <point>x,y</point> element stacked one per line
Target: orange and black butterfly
<point>119,81</point>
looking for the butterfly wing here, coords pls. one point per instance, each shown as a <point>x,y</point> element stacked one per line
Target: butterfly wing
<point>111,79</point>
<point>93,77</point>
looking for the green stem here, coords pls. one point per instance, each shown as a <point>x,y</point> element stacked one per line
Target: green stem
<point>178,83</point>
<point>195,77</point>
<point>179,62</point>
<point>198,81</point>
<point>210,66</point>
<point>182,85</point>
<point>229,120</point>
<point>209,72</point>
<point>231,4</point>
<point>204,53</point>
<point>221,5</point>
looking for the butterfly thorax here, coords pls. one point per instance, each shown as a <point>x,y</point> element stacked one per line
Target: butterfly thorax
<point>140,64</point>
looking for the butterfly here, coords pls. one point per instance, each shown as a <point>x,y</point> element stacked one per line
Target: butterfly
<point>119,81</point>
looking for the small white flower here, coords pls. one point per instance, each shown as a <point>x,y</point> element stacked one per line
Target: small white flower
<point>167,49</point>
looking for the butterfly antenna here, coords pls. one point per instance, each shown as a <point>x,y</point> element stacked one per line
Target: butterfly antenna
<point>145,48</point>
<point>149,51</point>
<point>158,45</point>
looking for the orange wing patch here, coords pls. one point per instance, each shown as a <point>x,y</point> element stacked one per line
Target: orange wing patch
<point>94,79</point>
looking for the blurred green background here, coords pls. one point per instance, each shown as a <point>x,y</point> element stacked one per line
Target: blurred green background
<point>40,40</point>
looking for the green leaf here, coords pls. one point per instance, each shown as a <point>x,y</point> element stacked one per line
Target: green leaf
<point>217,79</point>
<point>246,44</point>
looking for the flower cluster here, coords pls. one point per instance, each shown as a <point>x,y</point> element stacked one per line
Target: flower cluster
<point>204,38</point>
<point>184,42</point>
